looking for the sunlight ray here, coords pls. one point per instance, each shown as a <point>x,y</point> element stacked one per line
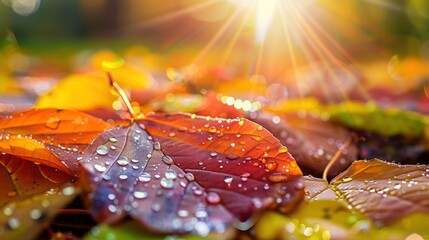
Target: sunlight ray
<point>217,36</point>
<point>170,16</point>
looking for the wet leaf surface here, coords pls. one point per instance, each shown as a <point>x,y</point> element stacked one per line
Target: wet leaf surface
<point>384,192</point>
<point>51,137</point>
<point>21,178</point>
<point>180,173</point>
<point>312,141</point>
<point>25,218</point>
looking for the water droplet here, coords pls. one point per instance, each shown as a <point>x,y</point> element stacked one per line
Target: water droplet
<point>123,161</point>
<point>213,198</point>
<point>171,134</point>
<point>170,174</point>
<point>140,195</point>
<point>228,180</point>
<point>13,223</point>
<point>157,146</point>
<point>190,177</point>
<point>99,168</point>
<point>241,122</point>
<point>212,129</point>
<point>102,150</point>
<point>198,192</point>
<point>145,177</point>
<point>397,186</point>
<point>36,214</point>
<point>167,183</point>
<point>231,156</point>
<point>182,213</point>
<point>271,165</point>
<point>69,190</point>
<point>52,122</point>
<point>278,177</point>
<point>113,139</point>
<point>276,119</point>
<point>201,213</point>
<point>167,160</point>
<point>134,160</point>
<point>202,229</point>
<point>112,208</point>
<point>213,154</point>
<point>123,177</point>
<point>283,149</point>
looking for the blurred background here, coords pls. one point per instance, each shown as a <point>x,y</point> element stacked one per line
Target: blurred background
<point>306,45</point>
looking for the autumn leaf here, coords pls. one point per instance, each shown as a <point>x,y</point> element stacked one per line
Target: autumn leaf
<point>26,218</point>
<point>312,141</point>
<point>22,179</point>
<point>384,192</point>
<point>181,173</point>
<point>50,137</point>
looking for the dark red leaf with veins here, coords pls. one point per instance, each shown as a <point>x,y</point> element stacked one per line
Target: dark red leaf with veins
<point>181,173</point>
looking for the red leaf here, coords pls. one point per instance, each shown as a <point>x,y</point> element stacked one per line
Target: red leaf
<point>21,178</point>
<point>182,173</point>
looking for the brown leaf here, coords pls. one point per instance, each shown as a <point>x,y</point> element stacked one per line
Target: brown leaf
<point>384,192</point>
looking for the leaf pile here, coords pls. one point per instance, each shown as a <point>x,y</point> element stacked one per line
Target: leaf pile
<point>231,167</point>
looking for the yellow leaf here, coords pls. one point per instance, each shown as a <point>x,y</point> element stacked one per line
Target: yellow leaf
<point>79,91</point>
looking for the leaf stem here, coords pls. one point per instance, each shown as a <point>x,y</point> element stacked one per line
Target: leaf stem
<point>123,96</point>
<point>335,158</point>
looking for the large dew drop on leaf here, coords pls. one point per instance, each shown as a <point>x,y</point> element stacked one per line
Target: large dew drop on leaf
<point>182,173</point>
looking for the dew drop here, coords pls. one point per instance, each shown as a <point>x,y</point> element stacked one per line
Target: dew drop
<point>213,154</point>
<point>228,180</point>
<point>113,139</point>
<point>202,229</point>
<point>102,150</point>
<point>182,213</point>
<point>13,223</point>
<point>167,183</point>
<point>171,134</point>
<point>167,160</point>
<point>52,122</point>
<point>212,129</point>
<point>283,149</point>
<point>145,177</point>
<point>170,174</point>
<point>213,198</point>
<point>123,161</point>
<point>123,177</point>
<point>397,186</point>
<point>157,146</point>
<point>99,168</point>
<point>68,191</point>
<point>36,214</point>
<point>190,177</point>
<point>271,165</point>
<point>140,195</point>
<point>201,213</point>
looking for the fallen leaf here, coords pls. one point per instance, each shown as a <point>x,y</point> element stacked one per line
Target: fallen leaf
<point>21,178</point>
<point>50,137</point>
<point>181,173</point>
<point>312,141</point>
<point>384,192</point>
<point>26,218</point>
